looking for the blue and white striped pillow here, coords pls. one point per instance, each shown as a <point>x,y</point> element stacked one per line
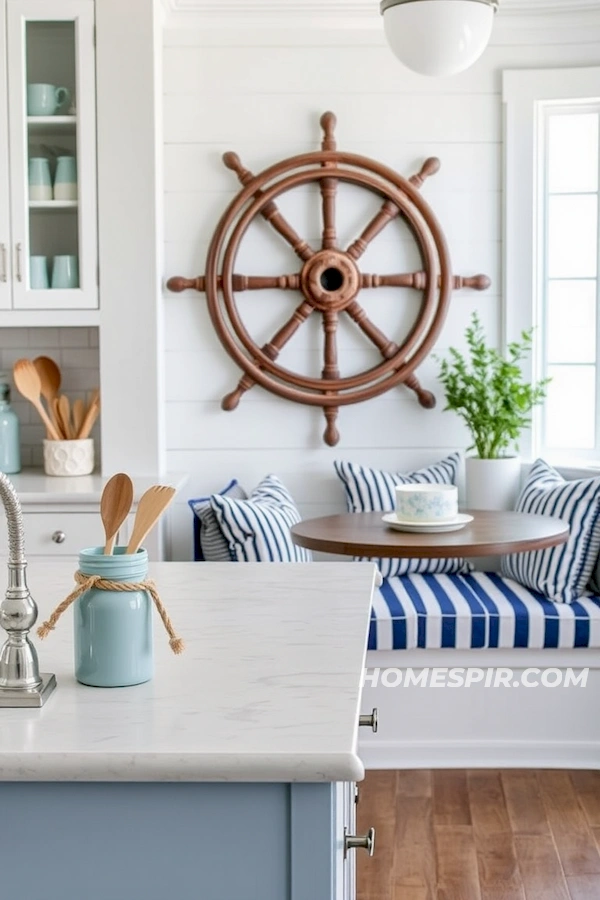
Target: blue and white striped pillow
<point>371,490</point>
<point>209,543</point>
<point>560,573</point>
<point>258,529</point>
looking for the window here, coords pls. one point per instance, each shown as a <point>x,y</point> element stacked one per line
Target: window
<point>552,249</point>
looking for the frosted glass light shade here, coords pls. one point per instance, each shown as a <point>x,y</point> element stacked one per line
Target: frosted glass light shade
<point>438,37</point>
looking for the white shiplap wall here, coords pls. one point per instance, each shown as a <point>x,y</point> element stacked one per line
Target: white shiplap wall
<point>261,94</point>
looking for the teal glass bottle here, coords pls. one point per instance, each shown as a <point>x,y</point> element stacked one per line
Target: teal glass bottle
<point>113,629</point>
<point>10,448</point>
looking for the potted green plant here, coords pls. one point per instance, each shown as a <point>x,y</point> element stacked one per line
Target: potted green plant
<point>489,392</point>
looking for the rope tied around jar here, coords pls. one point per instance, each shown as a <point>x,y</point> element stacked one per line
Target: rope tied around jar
<point>86,582</point>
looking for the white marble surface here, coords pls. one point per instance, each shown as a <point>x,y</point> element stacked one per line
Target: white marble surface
<point>268,688</point>
<point>34,486</point>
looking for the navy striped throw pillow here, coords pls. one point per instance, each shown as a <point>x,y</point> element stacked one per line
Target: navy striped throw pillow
<point>209,543</point>
<point>258,529</point>
<point>371,490</point>
<point>559,573</point>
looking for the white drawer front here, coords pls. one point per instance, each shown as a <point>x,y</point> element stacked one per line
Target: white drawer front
<point>79,529</point>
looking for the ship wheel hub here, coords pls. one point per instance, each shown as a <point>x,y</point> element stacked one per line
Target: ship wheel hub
<point>330,280</point>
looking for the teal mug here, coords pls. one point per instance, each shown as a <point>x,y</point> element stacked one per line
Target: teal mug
<point>40,183</point>
<point>65,273</point>
<point>38,273</point>
<point>65,178</point>
<point>46,99</point>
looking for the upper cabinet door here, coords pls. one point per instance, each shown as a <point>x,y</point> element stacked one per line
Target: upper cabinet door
<point>5,241</point>
<point>52,135</point>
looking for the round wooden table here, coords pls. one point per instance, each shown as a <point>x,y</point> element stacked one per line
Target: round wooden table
<point>490,533</point>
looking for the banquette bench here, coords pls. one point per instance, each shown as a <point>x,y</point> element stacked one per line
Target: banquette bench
<point>515,707</point>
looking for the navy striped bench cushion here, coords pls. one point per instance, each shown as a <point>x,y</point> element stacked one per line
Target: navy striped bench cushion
<point>479,610</point>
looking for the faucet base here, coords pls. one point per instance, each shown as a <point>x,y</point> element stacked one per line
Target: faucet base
<point>32,697</point>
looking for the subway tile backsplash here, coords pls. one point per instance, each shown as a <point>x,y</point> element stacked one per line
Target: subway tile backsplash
<point>75,350</point>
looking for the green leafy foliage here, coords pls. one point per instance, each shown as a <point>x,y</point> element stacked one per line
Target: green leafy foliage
<point>489,392</point>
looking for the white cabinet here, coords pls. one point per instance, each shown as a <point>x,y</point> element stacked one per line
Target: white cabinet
<point>48,163</point>
<point>61,516</point>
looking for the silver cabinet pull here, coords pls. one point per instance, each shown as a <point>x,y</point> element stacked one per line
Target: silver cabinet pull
<point>359,842</point>
<point>371,721</point>
<point>18,249</point>
<point>3,269</point>
<point>59,537</point>
<point>356,793</point>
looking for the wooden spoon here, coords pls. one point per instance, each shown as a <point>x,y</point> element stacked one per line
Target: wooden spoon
<point>28,383</point>
<point>115,504</point>
<point>50,379</point>
<point>153,503</point>
<point>64,411</point>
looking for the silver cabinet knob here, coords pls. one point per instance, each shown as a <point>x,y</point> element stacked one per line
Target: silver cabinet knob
<point>371,721</point>
<point>59,537</point>
<point>359,842</point>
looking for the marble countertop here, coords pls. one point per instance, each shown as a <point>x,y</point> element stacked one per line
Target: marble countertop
<point>268,688</point>
<point>34,486</point>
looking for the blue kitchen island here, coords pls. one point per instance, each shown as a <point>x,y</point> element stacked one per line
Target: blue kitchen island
<point>229,776</point>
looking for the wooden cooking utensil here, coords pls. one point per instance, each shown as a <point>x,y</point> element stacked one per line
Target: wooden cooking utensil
<point>153,503</point>
<point>89,418</point>
<point>115,504</point>
<point>78,415</point>
<point>57,419</point>
<point>28,384</point>
<point>50,379</point>
<point>64,411</point>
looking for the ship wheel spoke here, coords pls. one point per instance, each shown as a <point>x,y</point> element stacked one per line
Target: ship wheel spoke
<point>430,167</point>
<point>328,185</point>
<point>426,398</point>
<point>388,212</point>
<point>387,348</point>
<point>271,349</point>
<point>239,283</point>
<point>331,370</point>
<point>270,211</point>
<point>418,280</point>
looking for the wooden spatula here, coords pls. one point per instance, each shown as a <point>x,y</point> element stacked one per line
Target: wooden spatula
<point>115,504</point>
<point>89,418</point>
<point>78,415</point>
<point>150,508</point>
<point>28,383</point>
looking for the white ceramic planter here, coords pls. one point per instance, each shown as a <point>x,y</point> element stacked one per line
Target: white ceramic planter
<point>69,457</point>
<point>492,483</point>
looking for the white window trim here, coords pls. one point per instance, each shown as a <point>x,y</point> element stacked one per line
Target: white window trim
<point>523,90</point>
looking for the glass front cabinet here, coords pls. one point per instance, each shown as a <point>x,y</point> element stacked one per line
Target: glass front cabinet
<point>48,232</point>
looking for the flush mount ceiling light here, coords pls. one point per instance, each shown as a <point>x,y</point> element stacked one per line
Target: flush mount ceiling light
<point>438,37</point>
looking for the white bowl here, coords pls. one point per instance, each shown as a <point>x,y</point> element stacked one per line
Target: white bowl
<point>426,502</point>
<point>69,457</point>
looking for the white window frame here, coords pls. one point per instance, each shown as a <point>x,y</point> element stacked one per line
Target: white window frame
<point>526,93</point>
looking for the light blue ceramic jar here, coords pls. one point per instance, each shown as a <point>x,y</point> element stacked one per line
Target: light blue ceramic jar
<point>113,629</point>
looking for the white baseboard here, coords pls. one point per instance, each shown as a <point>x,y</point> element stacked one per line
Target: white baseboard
<point>480,755</point>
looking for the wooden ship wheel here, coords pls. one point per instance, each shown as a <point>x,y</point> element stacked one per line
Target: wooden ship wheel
<point>329,279</point>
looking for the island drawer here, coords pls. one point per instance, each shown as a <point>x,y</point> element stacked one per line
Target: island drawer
<point>56,533</point>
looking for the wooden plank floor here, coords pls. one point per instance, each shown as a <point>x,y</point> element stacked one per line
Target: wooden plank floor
<point>480,835</point>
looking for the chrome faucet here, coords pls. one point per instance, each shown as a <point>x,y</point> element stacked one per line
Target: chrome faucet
<point>21,683</point>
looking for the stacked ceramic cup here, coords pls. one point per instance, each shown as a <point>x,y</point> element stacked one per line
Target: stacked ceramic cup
<point>65,272</point>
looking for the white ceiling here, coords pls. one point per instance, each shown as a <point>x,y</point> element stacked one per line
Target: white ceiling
<point>357,7</point>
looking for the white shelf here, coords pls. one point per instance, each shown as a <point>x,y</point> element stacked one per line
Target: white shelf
<point>54,205</point>
<point>51,123</point>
